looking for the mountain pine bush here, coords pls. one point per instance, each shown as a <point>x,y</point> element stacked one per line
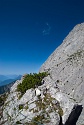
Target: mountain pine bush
<point>30,81</point>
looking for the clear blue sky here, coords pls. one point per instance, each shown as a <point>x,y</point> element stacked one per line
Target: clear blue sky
<point>30,30</point>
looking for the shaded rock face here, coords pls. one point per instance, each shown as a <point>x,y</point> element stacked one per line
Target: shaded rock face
<point>74,115</point>
<point>66,67</point>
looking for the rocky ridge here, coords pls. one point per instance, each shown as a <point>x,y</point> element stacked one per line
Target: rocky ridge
<point>25,109</point>
<point>66,66</point>
<point>65,84</point>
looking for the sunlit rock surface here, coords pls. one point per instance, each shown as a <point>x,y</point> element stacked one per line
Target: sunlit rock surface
<point>66,67</point>
<point>65,86</point>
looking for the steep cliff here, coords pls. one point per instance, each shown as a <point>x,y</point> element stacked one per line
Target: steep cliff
<point>66,66</point>
<point>61,89</point>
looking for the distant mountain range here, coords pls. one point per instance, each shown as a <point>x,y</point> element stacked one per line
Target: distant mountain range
<point>6,79</point>
<point>6,88</point>
<point>3,77</point>
<point>6,84</point>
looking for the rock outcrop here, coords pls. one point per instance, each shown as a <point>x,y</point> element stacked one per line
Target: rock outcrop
<point>28,108</point>
<point>66,67</point>
<point>61,90</point>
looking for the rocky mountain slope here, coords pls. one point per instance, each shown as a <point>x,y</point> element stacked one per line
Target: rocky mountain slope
<point>64,84</point>
<point>66,66</point>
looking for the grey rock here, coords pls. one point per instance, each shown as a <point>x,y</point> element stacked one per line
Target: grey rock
<point>65,84</point>
<point>66,68</point>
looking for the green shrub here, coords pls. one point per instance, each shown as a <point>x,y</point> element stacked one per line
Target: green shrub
<point>38,118</point>
<point>18,122</point>
<point>20,107</point>
<point>30,81</point>
<point>60,111</point>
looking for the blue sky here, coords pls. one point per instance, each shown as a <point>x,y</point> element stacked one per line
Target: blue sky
<point>30,30</point>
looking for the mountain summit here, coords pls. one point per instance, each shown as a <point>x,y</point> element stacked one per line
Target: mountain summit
<point>61,89</point>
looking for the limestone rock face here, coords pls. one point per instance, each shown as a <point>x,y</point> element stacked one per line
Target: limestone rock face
<point>65,87</point>
<point>29,107</point>
<point>66,67</point>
